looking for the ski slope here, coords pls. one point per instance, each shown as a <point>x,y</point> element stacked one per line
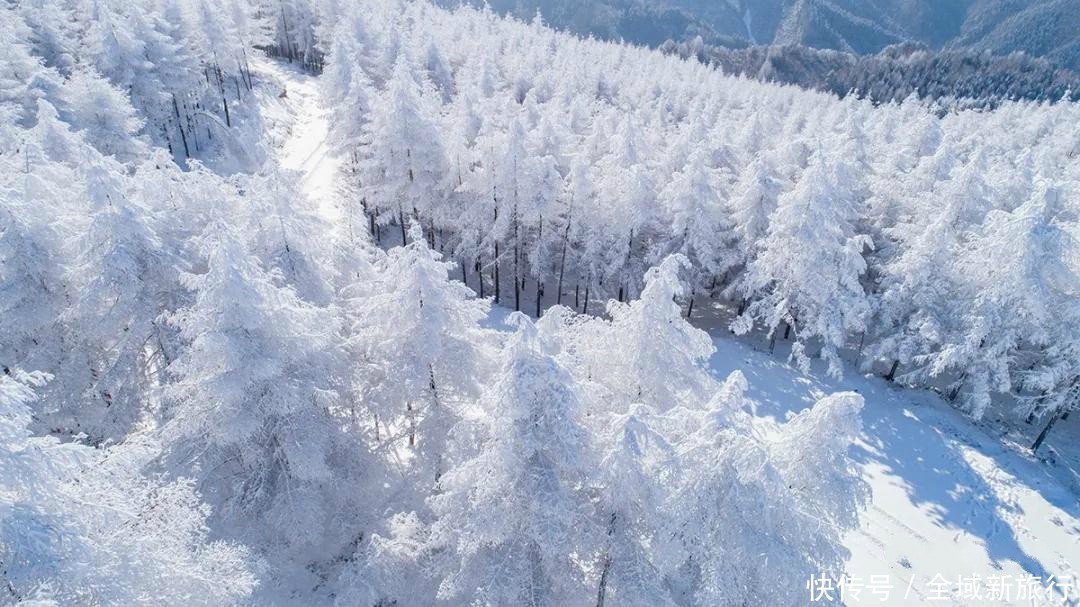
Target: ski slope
<point>958,516</point>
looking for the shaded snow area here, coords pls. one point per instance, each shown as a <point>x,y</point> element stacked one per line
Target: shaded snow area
<point>960,514</point>
<point>957,511</point>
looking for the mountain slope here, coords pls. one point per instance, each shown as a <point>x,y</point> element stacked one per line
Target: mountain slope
<point>1043,28</point>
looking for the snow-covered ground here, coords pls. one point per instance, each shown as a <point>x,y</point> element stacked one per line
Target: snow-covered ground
<point>949,498</point>
<point>960,514</point>
<point>299,125</point>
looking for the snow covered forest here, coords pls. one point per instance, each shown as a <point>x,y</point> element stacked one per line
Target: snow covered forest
<point>471,364</point>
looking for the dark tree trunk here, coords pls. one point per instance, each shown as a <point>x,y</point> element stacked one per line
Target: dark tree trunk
<point>246,72</point>
<point>602,587</point>
<point>955,392</point>
<point>690,306</point>
<point>892,370</point>
<point>480,276</point>
<point>518,286</point>
<point>539,296</point>
<point>585,308</point>
<point>497,289</point>
<point>1045,431</point>
<point>562,263</point>
<point>180,126</point>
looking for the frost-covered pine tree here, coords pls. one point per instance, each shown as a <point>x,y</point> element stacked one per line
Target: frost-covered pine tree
<point>918,306</point>
<point>404,162</point>
<point>808,273</point>
<point>1023,288</point>
<point>649,353</point>
<point>121,279</point>
<point>700,227</point>
<point>288,236</point>
<point>745,520</point>
<point>638,464</point>
<point>754,198</point>
<point>510,516</point>
<point>421,351</point>
<point>255,404</point>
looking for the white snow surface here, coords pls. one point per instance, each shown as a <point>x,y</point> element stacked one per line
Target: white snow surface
<point>300,125</point>
<point>956,507</point>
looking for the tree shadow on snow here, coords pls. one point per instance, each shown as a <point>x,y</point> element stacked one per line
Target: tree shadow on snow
<point>909,433</point>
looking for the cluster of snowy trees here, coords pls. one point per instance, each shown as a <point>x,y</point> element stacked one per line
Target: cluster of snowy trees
<point>940,250</point>
<point>209,396</point>
<point>184,66</point>
<point>950,78</point>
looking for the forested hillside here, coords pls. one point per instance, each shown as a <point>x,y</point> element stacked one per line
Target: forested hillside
<point>216,392</point>
<point>952,79</point>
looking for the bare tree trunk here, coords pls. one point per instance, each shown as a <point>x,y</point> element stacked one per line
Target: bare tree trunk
<point>517,274</point>
<point>497,289</point>
<point>180,126</point>
<point>221,89</point>
<point>562,261</point>
<point>539,296</point>
<point>480,275</point>
<point>412,424</point>
<point>955,392</point>
<point>690,306</point>
<point>892,370</point>
<point>285,30</point>
<point>246,71</point>
<point>1045,431</point>
<point>601,591</point>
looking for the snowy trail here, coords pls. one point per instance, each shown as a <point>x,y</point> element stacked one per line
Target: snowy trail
<point>301,126</point>
<point>949,500</point>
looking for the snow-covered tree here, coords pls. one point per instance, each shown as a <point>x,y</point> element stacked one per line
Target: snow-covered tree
<point>418,337</point>
<point>404,162</point>
<point>80,524</point>
<point>511,516</point>
<point>121,279</point>
<point>700,226</point>
<point>254,403</point>
<point>808,274</point>
<point>650,353</point>
<point>745,521</point>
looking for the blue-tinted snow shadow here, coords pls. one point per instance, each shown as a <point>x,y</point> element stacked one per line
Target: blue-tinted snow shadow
<point>915,436</point>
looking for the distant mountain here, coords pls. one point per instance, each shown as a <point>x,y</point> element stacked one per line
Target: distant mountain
<point>1042,28</point>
